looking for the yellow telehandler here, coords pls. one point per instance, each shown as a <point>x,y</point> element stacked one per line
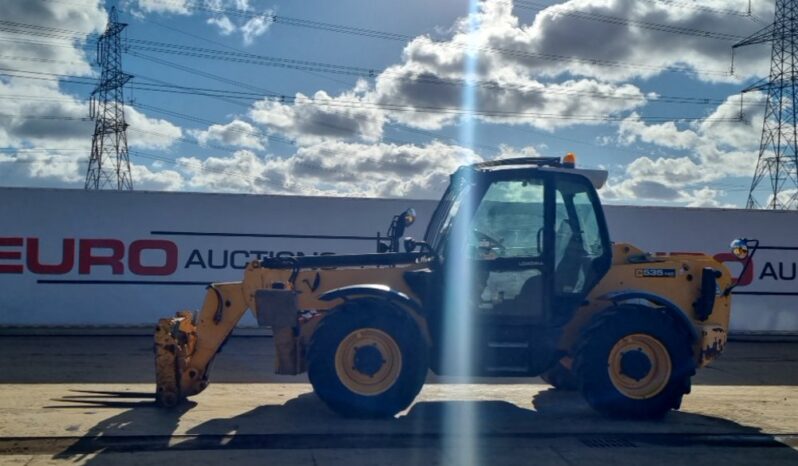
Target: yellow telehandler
<point>515,276</point>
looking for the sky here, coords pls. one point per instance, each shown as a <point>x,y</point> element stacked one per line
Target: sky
<point>386,99</point>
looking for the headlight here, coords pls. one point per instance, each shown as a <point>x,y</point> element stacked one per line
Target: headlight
<point>410,216</point>
<point>739,248</point>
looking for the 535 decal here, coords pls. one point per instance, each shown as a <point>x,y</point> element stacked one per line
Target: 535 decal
<point>655,273</point>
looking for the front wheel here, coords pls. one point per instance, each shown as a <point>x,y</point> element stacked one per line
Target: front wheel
<point>560,377</point>
<point>367,359</point>
<point>634,362</point>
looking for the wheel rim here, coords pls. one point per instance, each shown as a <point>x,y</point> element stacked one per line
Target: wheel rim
<point>639,366</point>
<point>368,361</point>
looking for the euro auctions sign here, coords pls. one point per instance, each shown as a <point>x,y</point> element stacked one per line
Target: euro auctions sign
<point>73,257</point>
<point>91,253</point>
<point>142,257</point>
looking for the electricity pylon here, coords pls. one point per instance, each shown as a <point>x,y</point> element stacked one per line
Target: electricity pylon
<point>778,149</point>
<point>109,164</point>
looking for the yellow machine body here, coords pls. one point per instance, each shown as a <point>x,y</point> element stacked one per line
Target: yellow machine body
<point>226,303</point>
<point>631,326</point>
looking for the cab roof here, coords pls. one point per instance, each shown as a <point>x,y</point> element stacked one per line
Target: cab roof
<point>549,164</point>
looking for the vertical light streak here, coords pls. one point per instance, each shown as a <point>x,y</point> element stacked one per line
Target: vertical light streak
<point>460,421</point>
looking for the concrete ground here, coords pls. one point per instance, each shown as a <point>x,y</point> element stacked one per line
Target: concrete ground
<point>87,400</point>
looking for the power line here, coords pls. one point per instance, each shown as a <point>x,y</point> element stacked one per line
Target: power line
<point>271,94</point>
<point>40,60</point>
<point>406,108</point>
<point>345,104</point>
<point>337,69</point>
<point>314,123</point>
<point>366,72</point>
<point>380,34</point>
<point>46,29</point>
<point>43,117</point>
<point>325,103</point>
<point>39,149</point>
<point>370,73</point>
<point>375,34</point>
<point>718,11</point>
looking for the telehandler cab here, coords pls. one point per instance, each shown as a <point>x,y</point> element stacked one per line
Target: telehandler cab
<point>546,293</point>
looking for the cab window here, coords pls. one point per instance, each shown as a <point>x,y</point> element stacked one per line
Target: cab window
<point>509,220</point>
<point>578,239</point>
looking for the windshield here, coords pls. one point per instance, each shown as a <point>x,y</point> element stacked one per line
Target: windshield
<point>447,209</point>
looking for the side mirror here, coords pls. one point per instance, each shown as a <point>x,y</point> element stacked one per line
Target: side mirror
<point>744,250</point>
<point>396,231</point>
<point>412,244</point>
<point>739,248</point>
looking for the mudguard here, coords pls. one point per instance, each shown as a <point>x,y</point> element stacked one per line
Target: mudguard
<point>373,291</point>
<point>672,309</point>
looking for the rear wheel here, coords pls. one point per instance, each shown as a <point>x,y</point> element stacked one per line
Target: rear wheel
<point>634,361</point>
<point>367,359</point>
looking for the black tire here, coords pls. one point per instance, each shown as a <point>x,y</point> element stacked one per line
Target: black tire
<point>332,332</point>
<point>561,378</point>
<point>592,364</point>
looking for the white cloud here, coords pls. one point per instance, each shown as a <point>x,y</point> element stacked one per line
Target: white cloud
<point>716,149</point>
<point>150,133</point>
<point>508,152</point>
<point>334,168</point>
<point>45,168</point>
<point>35,112</point>
<point>706,197</point>
<point>426,89</point>
<point>241,171</point>
<point>384,170</point>
<point>339,135</point>
<point>38,113</point>
<point>255,27</point>
<point>82,16</point>
<point>226,27</point>
<point>321,116</point>
<point>251,28</point>
<point>67,168</point>
<point>159,179</point>
<point>637,191</point>
<point>633,49</point>
<point>179,7</point>
<point>236,133</point>
<point>665,134</point>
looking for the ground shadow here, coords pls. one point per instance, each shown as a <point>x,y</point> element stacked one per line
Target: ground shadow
<point>304,423</point>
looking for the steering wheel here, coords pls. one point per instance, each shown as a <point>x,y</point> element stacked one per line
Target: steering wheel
<point>486,237</point>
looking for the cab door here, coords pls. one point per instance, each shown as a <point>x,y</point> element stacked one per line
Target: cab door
<point>582,249</point>
<point>497,276</point>
<point>507,251</point>
<point>511,279</point>
<point>518,252</point>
